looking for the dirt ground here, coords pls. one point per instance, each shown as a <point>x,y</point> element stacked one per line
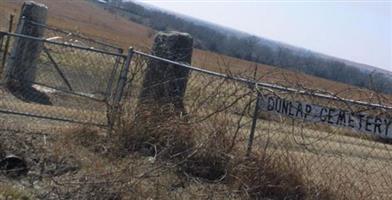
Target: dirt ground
<point>71,162</point>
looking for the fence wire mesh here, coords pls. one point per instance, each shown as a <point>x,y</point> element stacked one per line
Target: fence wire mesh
<point>77,79</point>
<point>353,164</point>
<point>4,21</point>
<point>56,34</point>
<point>215,107</point>
<point>329,154</point>
<point>62,81</point>
<point>2,49</point>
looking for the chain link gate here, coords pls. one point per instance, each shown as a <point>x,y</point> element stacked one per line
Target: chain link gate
<point>69,83</point>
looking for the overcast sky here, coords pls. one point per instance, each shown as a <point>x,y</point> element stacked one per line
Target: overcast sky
<point>360,31</point>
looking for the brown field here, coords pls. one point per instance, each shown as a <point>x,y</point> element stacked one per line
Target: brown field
<point>326,155</point>
<point>108,27</point>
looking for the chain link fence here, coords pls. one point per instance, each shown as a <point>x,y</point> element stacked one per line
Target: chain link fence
<point>327,148</point>
<point>5,21</point>
<point>77,79</point>
<point>207,99</point>
<point>331,150</point>
<point>64,81</point>
<point>63,36</point>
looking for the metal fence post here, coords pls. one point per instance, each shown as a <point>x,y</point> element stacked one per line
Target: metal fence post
<point>120,89</point>
<point>112,76</point>
<point>2,36</point>
<point>254,123</point>
<point>7,44</point>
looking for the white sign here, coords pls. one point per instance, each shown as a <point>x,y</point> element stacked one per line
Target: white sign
<point>373,125</point>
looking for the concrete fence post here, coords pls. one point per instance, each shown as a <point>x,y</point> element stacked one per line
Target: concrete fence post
<point>21,69</point>
<point>165,84</point>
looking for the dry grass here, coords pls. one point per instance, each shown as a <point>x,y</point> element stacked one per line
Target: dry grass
<point>91,20</point>
<point>80,111</point>
<point>316,154</point>
<point>157,132</point>
<point>267,176</point>
<point>201,157</point>
<point>208,155</point>
<point>327,162</point>
<point>8,192</point>
<point>210,167</point>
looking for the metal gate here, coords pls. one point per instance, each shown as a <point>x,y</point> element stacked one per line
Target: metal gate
<point>70,82</point>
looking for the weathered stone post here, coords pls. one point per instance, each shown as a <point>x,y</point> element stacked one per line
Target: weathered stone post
<point>21,69</point>
<point>164,84</point>
<point>160,108</point>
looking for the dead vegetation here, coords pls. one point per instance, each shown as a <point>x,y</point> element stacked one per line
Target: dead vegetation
<point>157,133</point>
<point>155,152</point>
<point>157,156</point>
<point>153,155</point>
<point>81,16</point>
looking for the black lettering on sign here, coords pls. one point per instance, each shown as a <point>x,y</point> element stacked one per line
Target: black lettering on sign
<point>377,126</point>
<point>270,106</point>
<point>333,116</point>
<point>299,110</point>
<point>323,115</point>
<point>278,105</point>
<point>308,110</point>
<point>341,118</point>
<point>368,123</point>
<point>285,107</point>
<point>330,115</point>
<point>351,120</point>
<point>360,116</point>
<point>291,109</point>
<point>388,125</point>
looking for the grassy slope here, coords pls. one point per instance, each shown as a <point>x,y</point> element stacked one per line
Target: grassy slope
<point>94,21</point>
<point>343,154</point>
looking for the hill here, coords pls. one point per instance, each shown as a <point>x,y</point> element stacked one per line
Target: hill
<point>256,49</point>
<point>152,156</point>
<point>111,26</point>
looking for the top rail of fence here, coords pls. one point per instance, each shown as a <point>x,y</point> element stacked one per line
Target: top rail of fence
<point>74,34</point>
<point>251,83</point>
<point>65,44</point>
<point>255,84</point>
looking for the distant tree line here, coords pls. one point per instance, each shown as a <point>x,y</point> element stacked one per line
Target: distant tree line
<point>256,49</point>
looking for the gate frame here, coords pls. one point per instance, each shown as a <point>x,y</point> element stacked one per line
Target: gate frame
<point>111,102</point>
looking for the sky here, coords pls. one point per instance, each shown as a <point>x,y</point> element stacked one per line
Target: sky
<point>359,31</point>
